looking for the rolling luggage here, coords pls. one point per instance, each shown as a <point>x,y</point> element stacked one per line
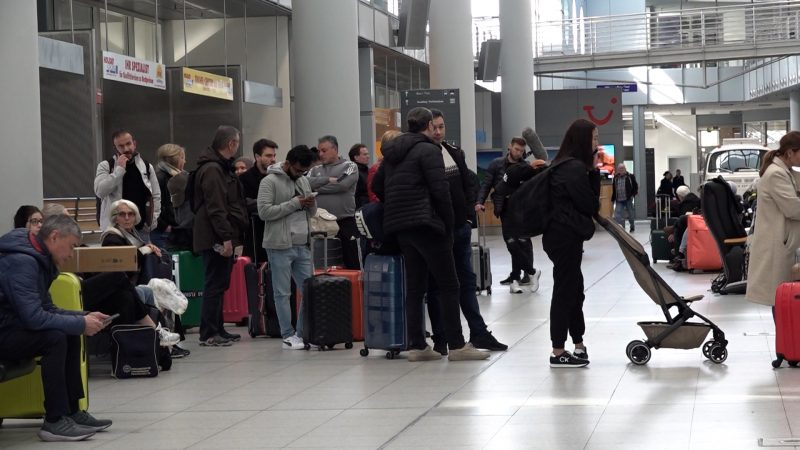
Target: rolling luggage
<point>23,397</point>
<point>659,246</point>
<point>702,252</point>
<point>384,305</point>
<point>263,319</point>
<point>234,301</point>
<point>482,260</point>
<point>190,276</point>
<point>327,310</point>
<point>335,253</point>
<point>787,324</point>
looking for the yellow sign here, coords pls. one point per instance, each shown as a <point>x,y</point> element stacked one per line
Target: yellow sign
<point>208,84</point>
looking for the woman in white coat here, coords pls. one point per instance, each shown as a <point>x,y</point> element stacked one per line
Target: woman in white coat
<point>777,226</point>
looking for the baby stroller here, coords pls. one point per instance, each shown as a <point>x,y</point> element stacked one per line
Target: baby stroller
<point>677,331</point>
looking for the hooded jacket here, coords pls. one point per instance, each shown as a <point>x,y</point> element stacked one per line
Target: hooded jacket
<point>412,185</point>
<point>278,206</point>
<point>337,198</point>
<point>221,210</point>
<point>26,272</point>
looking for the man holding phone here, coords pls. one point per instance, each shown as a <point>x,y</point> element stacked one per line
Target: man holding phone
<point>31,325</point>
<point>335,181</point>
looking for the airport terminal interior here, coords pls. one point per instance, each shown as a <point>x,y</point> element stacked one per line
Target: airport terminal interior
<point>701,86</point>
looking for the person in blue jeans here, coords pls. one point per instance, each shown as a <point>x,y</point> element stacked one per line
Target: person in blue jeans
<point>285,203</point>
<point>463,193</point>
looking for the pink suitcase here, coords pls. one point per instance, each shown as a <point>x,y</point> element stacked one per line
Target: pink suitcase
<point>234,303</point>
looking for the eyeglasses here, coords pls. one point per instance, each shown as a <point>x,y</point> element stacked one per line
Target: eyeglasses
<point>126,214</point>
<point>35,221</point>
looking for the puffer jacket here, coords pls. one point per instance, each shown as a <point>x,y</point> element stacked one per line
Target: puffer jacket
<point>221,210</point>
<point>26,273</point>
<point>412,185</point>
<point>575,196</point>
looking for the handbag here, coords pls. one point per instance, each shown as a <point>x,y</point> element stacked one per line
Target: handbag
<point>323,222</point>
<point>134,351</point>
<point>155,267</point>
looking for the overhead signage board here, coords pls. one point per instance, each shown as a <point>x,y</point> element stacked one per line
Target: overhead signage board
<point>207,84</point>
<point>445,100</point>
<point>134,71</point>
<point>626,87</point>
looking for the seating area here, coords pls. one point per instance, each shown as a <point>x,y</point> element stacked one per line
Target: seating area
<point>84,211</point>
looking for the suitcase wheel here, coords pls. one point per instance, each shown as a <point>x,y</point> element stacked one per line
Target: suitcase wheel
<point>348,345</point>
<point>330,347</point>
<point>307,346</point>
<point>489,290</point>
<point>778,361</point>
<point>364,352</point>
<point>792,363</point>
<point>251,333</point>
<point>391,354</point>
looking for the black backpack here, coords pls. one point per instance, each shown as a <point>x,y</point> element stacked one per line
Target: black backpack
<point>531,204</point>
<point>111,162</point>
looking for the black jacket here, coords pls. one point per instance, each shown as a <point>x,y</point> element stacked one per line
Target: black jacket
<point>690,203</point>
<point>167,216</point>
<point>631,186</point>
<point>575,197</point>
<point>412,186</point>
<point>494,175</point>
<point>460,189</point>
<point>677,181</point>
<point>362,196</point>
<point>665,188</point>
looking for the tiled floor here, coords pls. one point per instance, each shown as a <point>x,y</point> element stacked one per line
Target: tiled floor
<point>255,395</point>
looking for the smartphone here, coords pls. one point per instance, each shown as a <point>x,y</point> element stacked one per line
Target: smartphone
<point>314,194</point>
<point>110,319</point>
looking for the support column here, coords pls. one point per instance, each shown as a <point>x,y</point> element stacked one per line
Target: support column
<point>366,76</point>
<point>516,68</point>
<point>20,182</point>
<point>640,162</point>
<point>794,110</point>
<point>325,62</point>
<point>451,63</point>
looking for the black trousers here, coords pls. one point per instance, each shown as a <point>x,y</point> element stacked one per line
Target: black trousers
<point>112,293</point>
<point>347,231</point>
<point>565,250</point>
<point>218,278</point>
<point>61,366</point>
<point>521,251</point>
<point>426,252</point>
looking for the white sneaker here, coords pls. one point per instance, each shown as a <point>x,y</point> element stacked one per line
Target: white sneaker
<point>294,342</point>
<point>515,289</point>
<point>535,280</point>
<point>167,338</point>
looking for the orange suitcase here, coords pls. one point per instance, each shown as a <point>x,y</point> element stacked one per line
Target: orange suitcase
<point>701,249</point>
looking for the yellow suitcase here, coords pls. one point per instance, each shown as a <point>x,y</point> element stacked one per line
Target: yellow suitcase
<point>23,397</point>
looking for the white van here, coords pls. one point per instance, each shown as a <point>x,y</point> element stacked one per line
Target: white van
<point>737,160</point>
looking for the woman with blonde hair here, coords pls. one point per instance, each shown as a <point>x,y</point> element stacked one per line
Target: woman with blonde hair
<point>387,137</point>
<point>777,226</point>
<point>171,160</point>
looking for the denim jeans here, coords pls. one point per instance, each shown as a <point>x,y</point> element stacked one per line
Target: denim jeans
<point>468,299</point>
<point>285,265</point>
<point>622,208</point>
<point>146,295</point>
<point>218,278</point>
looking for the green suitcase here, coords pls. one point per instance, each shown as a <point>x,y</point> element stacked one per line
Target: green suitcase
<point>23,398</point>
<point>190,277</point>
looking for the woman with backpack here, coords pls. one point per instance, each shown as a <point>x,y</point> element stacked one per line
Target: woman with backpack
<point>171,159</point>
<point>575,196</point>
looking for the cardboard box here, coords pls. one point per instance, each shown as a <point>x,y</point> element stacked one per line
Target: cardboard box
<point>102,259</point>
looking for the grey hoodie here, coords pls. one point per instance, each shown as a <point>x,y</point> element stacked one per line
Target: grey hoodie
<point>286,223</point>
<point>338,198</point>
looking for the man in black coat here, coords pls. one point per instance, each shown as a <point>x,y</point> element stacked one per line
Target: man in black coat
<point>264,151</point>
<point>418,212</point>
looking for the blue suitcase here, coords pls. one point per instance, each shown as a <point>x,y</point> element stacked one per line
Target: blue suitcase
<point>384,305</point>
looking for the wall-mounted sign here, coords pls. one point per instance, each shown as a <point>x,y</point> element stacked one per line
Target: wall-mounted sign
<point>626,87</point>
<point>134,71</point>
<point>208,84</point>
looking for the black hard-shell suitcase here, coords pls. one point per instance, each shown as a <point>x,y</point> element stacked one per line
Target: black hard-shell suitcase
<point>327,310</point>
<point>482,259</point>
<point>659,245</point>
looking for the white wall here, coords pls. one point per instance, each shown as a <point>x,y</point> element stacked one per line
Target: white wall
<point>21,176</point>
<point>268,63</point>
<point>673,138</point>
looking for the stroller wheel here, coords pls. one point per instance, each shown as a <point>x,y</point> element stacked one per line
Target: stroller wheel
<point>717,353</point>
<point>707,348</point>
<point>638,352</point>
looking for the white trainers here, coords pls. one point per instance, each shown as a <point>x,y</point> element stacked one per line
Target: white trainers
<point>515,289</point>
<point>535,280</point>
<point>294,342</point>
<point>167,338</point>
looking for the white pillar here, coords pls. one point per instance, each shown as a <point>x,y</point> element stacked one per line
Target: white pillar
<point>640,162</point>
<point>516,68</point>
<point>325,70</point>
<point>21,128</point>
<point>794,110</point>
<point>451,63</point>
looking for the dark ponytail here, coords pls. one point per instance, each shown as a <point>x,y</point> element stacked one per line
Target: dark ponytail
<point>768,158</point>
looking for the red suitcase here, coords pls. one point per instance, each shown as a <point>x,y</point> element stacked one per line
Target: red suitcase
<point>787,324</point>
<point>701,249</point>
<point>234,303</point>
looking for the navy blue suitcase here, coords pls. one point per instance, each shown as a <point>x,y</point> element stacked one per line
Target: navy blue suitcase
<point>384,305</point>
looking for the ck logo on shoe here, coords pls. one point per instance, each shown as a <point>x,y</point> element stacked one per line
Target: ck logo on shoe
<point>589,112</point>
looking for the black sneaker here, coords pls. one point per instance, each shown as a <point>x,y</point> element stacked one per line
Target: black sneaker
<point>215,341</point>
<point>85,419</point>
<point>440,347</point>
<point>525,279</point>
<point>567,360</point>
<point>508,280</point>
<point>178,352</point>
<point>488,342</point>
<point>231,336</point>
<point>581,353</point>
<point>64,430</point>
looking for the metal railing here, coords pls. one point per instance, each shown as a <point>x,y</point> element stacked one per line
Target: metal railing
<point>754,24</point>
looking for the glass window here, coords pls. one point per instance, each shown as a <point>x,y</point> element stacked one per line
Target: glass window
<point>81,16</point>
<point>117,32</point>
<point>144,39</point>
<point>746,160</point>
